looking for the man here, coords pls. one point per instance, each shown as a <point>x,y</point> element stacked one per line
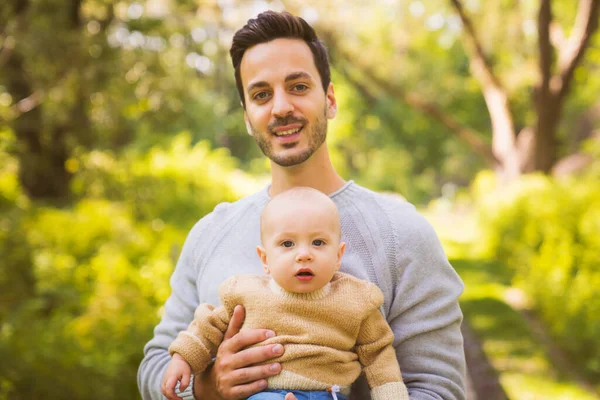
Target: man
<point>282,75</point>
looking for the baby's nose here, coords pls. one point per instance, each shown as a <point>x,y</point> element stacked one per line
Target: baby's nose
<point>303,255</point>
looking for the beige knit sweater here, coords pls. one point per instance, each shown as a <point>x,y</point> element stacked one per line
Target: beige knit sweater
<point>328,335</point>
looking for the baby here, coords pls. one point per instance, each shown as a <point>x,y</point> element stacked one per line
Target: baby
<point>328,322</point>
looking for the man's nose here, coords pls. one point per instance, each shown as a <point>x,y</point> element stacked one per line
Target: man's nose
<point>303,255</point>
<point>282,105</point>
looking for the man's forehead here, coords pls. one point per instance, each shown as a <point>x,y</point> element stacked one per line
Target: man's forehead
<point>277,61</point>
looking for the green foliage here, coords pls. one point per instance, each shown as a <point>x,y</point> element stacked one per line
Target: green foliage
<point>524,368</point>
<point>547,231</point>
<point>81,287</point>
<point>174,183</point>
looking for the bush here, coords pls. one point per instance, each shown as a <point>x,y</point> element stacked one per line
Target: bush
<point>81,287</point>
<point>547,231</point>
<point>175,184</point>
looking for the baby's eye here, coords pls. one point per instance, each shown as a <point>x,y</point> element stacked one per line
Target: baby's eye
<point>318,242</point>
<point>287,243</point>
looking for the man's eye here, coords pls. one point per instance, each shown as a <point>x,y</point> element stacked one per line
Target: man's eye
<point>287,243</point>
<point>318,242</point>
<point>301,87</point>
<point>260,96</point>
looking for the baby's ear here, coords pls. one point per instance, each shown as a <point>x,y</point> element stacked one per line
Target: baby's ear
<point>262,254</point>
<point>340,254</point>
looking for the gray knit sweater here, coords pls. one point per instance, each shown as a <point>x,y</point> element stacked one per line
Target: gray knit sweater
<point>387,242</point>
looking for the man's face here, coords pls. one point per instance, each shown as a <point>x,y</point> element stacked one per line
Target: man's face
<point>286,108</point>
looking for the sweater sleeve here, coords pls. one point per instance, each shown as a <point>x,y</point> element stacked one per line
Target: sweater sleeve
<point>199,343</point>
<point>178,312</point>
<point>425,315</point>
<point>377,356</point>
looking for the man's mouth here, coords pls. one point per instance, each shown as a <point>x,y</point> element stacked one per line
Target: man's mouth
<point>287,128</point>
<point>288,132</point>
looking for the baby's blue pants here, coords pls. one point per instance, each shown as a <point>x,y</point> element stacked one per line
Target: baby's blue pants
<point>300,395</point>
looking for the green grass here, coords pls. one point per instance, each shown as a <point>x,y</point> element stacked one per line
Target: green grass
<point>525,371</point>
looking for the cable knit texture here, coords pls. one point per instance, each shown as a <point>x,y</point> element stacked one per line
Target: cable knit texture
<point>328,335</point>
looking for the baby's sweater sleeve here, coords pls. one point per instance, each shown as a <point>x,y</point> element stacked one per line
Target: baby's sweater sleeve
<point>377,356</point>
<point>198,344</point>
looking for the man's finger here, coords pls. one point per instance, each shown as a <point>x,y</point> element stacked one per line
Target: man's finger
<point>245,391</point>
<point>246,338</point>
<point>235,323</point>
<point>246,375</point>
<point>254,355</point>
<point>290,396</point>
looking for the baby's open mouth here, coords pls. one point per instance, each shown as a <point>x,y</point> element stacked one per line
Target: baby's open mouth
<point>305,274</point>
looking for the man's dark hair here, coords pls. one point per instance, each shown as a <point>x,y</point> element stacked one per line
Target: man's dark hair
<point>271,25</point>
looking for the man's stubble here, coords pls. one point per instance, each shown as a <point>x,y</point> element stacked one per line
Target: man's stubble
<point>317,134</point>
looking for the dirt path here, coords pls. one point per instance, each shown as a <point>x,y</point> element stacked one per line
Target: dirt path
<point>482,379</point>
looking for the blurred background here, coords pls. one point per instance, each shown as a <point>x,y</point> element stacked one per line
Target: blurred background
<point>120,127</point>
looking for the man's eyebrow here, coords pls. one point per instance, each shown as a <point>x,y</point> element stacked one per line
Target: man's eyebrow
<point>290,77</point>
<point>297,75</point>
<point>260,84</point>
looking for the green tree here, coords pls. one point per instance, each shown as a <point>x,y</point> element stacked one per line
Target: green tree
<point>523,68</point>
<point>90,74</point>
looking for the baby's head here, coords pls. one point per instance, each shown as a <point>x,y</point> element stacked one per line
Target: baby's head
<point>300,233</point>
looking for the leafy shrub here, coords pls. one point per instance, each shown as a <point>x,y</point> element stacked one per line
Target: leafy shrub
<point>81,287</point>
<point>175,184</point>
<point>548,232</point>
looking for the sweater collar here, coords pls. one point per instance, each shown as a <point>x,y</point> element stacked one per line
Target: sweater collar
<point>265,191</point>
<point>316,295</point>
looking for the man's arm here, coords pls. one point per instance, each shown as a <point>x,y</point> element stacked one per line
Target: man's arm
<point>425,316</point>
<point>179,312</point>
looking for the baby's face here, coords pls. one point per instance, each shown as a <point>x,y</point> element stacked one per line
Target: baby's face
<point>301,246</point>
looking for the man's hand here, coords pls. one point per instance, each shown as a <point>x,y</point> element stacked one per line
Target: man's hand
<point>177,371</point>
<point>233,375</point>
<point>290,396</point>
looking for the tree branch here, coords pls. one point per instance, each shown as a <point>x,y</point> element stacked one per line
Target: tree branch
<point>469,136</point>
<point>586,23</point>
<point>503,139</point>
<point>29,103</point>
<point>483,67</point>
<point>557,35</point>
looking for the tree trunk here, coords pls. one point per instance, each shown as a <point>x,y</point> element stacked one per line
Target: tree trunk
<point>43,147</point>
<point>42,155</point>
<point>545,143</point>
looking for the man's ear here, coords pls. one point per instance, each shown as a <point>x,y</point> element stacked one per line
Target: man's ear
<point>339,255</point>
<point>262,254</point>
<point>248,124</point>
<point>331,102</point>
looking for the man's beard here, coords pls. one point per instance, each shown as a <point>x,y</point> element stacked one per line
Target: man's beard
<point>317,134</point>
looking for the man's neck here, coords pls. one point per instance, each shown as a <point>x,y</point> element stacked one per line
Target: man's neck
<point>316,172</point>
